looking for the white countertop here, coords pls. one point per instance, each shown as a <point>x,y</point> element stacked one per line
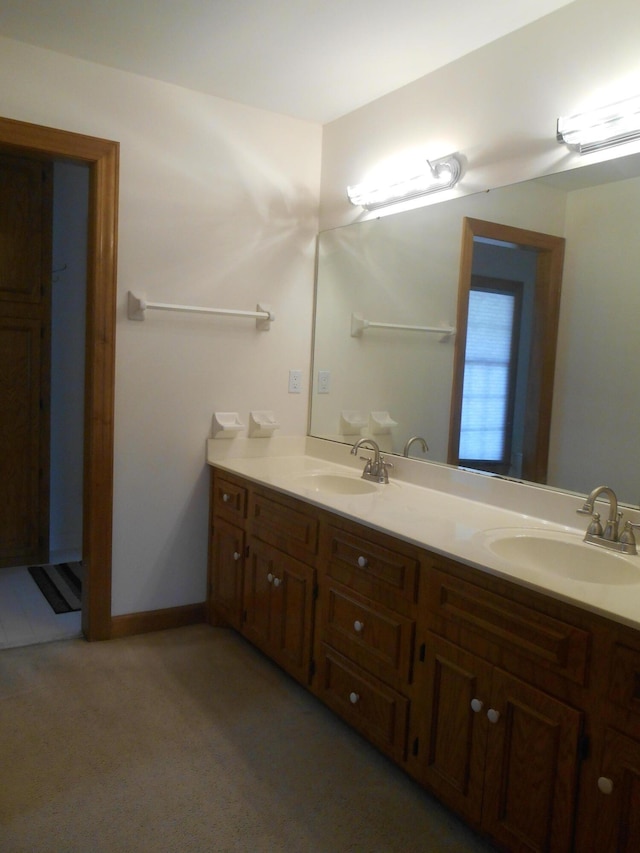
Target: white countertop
<point>437,508</point>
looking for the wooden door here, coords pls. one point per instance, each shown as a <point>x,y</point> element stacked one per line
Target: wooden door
<point>617,825</point>
<point>451,737</point>
<point>292,616</point>
<point>25,323</point>
<point>258,587</point>
<point>227,560</point>
<point>531,768</point>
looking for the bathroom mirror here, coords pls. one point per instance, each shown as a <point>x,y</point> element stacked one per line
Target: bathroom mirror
<point>403,270</point>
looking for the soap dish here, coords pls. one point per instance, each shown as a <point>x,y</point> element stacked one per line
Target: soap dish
<point>262,424</point>
<point>226,425</point>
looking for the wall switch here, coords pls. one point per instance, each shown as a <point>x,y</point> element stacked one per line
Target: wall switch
<point>324,381</point>
<point>295,381</point>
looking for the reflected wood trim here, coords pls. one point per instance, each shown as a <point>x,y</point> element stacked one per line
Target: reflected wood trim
<point>550,260</point>
<point>102,157</point>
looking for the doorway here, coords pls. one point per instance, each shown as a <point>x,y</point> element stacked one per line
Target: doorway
<point>101,156</point>
<point>520,365</point>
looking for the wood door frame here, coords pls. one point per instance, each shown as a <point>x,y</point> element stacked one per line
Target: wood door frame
<point>550,260</point>
<point>102,158</point>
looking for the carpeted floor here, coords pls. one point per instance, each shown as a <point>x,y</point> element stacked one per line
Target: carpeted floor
<point>189,740</point>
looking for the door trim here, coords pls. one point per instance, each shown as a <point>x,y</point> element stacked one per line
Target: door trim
<point>102,158</point>
<point>550,259</point>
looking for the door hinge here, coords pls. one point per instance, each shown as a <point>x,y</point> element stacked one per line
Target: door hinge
<point>312,669</point>
<point>416,746</point>
<point>584,747</point>
<point>246,552</point>
<point>422,652</point>
<point>315,592</point>
<point>244,615</point>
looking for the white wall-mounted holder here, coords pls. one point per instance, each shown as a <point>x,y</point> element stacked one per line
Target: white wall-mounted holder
<point>262,424</point>
<point>351,422</point>
<point>380,423</point>
<point>359,324</point>
<point>226,425</point>
<point>137,307</point>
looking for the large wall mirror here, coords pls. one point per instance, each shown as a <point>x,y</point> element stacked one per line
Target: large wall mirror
<point>403,270</point>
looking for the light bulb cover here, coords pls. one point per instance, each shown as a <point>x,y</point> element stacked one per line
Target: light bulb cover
<point>601,128</point>
<point>440,174</point>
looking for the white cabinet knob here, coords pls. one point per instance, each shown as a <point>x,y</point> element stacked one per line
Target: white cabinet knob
<point>226,498</point>
<point>605,786</point>
<point>354,698</point>
<point>236,555</point>
<point>270,577</point>
<point>358,626</point>
<point>363,562</point>
<point>277,581</point>
<point>476,705</point>
<point>493,715</point>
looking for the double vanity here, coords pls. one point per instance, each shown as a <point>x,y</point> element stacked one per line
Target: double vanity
<point>459,622</point>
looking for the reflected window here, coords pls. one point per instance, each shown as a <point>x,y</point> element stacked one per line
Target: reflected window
<point>490,373</point>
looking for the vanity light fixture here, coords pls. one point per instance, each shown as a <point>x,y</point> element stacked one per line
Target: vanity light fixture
<point>441,174</point>
<point>601,128</point>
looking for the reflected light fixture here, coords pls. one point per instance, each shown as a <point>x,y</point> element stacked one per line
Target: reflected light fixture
<point>437,175</point>
<point>601,128</point>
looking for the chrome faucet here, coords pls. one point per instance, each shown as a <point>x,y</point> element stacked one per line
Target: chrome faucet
<point>376,469</point>
<point>410,441</point>
<point>610,536</point>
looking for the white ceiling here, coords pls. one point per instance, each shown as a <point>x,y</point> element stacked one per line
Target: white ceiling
<point>311,59</point>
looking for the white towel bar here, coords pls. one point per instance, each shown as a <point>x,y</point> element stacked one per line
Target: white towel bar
<point>359,324</point>
<point>137,306</point>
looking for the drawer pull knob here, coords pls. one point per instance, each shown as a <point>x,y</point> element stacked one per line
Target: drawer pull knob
<point>605,786</point>
<point>354,698</point>
<point>493,715</point>
<point>270,577</point>
<point>363,562</point>
<point>237,555</point>
<point>277,581</point>
<point>226,497</point>
<point>476,705</point>
<point>358,626</point>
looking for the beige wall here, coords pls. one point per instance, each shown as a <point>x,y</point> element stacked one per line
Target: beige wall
<point>218,207</point>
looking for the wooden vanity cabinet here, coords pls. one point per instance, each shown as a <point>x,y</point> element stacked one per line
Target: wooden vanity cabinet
<point>365,633</point>
<point>487,734</point>
<point>609,818</point>
<point>227,549</point>
<point>519,711</point>
<point>280,580</point>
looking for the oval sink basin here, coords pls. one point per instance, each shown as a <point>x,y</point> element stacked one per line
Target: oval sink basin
<point>336,484</point>
<point>563,555</point>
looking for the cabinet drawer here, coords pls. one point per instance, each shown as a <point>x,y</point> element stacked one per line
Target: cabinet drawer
<point>284,524</point>
<point>506,632</point>
<point>376,710</point>
<point>372,569</point>
<point>372,636</point>
<point>229,499</point>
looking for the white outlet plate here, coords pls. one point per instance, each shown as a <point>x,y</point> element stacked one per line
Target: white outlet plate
<point>324,381</point>
<point>295,381</point>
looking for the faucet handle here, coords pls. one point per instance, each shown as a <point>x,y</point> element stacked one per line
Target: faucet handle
<point>595,528</point>
<point>627,537</point>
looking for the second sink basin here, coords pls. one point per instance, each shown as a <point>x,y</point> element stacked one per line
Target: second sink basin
<point>336,484</point>
<point>562,554</point>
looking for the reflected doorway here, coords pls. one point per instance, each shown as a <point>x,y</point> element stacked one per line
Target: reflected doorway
<point>504,361</point>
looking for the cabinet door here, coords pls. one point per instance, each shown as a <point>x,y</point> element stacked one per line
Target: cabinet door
<point>531,767</point>
<point>617,828</point>
<point>227,572</point>
<point>451,736</point>
<point>291,629</point>
<point>278,607</point>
